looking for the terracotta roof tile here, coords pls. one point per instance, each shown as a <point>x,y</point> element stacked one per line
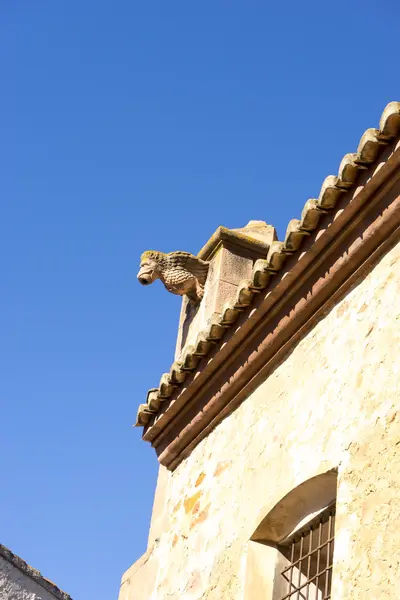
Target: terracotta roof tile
<point>331,190</point>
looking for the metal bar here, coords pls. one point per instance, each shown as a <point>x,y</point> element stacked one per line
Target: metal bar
<point>309,564</point>
<point>313,552</point>
<point>300,559</point>
<point>304,584</point>
<point>319,552</point>
<point>291,570</point>
<point>328,548</point>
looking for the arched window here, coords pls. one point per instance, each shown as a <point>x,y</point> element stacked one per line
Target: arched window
<point>299,532</point>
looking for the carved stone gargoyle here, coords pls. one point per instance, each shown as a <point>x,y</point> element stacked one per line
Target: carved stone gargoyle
<point>182,273</point>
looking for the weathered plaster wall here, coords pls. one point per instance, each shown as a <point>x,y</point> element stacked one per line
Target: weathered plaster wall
<point>333,402</point>
<point>15,585</point>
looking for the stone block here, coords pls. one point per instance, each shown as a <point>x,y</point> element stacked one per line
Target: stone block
<point>231,255</point>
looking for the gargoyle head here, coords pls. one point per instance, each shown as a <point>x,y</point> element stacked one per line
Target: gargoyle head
<point>182,273</point>
<point>150,266</point>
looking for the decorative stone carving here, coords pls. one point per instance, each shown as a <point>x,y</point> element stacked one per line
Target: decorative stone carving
<point>182,273</point>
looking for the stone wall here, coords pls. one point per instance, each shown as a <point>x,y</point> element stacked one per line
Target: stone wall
<point>16,585</point>
<point>20,581</point>
<point>332,404</point>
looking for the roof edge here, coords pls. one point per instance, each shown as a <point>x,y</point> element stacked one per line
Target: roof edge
<point>323,222</point>
<point>33,574</point>
<point>171,438</point>
<point>270,338</point>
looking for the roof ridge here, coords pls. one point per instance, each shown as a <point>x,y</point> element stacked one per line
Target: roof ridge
<point>33,573</point>
<point>332,188</point>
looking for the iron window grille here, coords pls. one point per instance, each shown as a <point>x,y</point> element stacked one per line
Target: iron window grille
<point>309,552</point>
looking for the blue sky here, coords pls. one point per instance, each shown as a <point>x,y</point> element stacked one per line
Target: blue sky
<point>126,126</point>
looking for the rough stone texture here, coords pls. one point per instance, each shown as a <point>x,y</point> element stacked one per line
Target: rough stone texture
<point>225,272</point>
<point>332,403</point>
<point>16,584</point>
<point>181,273</point>
<point>231,261</point>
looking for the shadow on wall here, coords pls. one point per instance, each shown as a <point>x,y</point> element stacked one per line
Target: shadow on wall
<point>299,504</point>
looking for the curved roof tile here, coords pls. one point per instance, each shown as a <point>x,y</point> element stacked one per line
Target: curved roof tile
<point>332,188</point>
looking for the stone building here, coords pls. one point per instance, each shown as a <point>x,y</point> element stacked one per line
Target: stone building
<point>19,581</point>
<point>277,427</point>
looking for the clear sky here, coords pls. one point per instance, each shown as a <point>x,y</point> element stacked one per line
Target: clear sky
<point>126,126</point>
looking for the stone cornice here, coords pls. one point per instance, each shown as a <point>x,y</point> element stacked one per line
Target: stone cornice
<point>237,237</point>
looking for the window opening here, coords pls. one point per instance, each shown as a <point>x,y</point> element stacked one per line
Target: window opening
<point>308,574</point>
